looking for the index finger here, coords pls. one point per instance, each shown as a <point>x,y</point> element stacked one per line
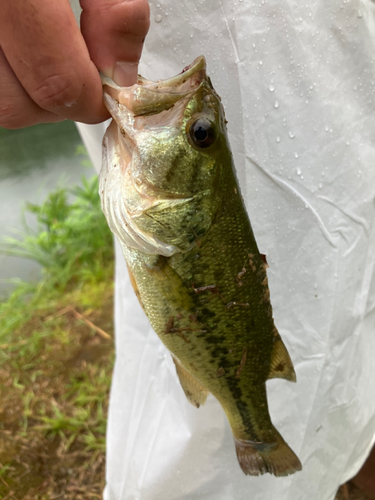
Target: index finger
<point>46,51</point>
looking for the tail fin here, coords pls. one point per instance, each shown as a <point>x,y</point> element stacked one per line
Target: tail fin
<point>259,458</point>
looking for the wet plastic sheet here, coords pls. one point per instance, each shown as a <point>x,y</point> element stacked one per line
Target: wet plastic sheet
<point>297,82</point>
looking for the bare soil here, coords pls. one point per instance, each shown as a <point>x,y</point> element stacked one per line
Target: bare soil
<point>52,435</point>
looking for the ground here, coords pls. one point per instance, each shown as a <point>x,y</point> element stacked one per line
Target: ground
<point>52,433</point>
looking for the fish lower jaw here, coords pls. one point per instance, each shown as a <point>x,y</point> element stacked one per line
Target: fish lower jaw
<point>257,458</point>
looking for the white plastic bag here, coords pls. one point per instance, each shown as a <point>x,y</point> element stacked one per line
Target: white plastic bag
<point>297,82</point>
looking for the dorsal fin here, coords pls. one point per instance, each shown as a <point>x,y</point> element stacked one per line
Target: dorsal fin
<point>281,365</point>
<point>194,390</point>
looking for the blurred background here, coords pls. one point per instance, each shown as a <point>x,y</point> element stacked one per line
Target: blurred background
<point>33,162</point>
<point>56,317</point>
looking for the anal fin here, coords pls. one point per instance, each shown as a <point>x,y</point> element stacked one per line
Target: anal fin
<point>195,392</point>
<point>281,365</point>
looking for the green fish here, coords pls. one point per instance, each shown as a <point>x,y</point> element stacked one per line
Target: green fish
<point>170,193</point>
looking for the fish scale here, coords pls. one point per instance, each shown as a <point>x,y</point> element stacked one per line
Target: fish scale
<point>173,200</point>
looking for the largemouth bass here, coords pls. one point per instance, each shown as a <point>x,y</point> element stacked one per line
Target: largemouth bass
<point>170,193</point>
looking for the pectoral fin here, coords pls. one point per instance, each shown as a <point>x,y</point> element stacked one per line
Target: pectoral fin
<point>194,390</point>
<point>281,365</point>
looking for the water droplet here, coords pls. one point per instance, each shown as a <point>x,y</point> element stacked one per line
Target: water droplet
<point>320,185</point>
<point>271,88</point>
<point>158,5</point>
<point>292,134</point>
<point>299,171</point>
<point>191,35</point>
<point>158,18</point>
<point>278,139</point>
<point>276,104</point>
<point>295,155</point>
<point>360,14</point>
<point>260,63</point>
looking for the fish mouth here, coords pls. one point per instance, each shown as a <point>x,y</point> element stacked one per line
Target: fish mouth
<point>147,97</point>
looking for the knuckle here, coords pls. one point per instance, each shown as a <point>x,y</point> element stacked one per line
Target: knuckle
<point>22,113</point>
<point>13,118</point>
<point>57,91</point>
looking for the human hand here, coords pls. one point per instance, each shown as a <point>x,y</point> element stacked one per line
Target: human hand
<point>49,68</point>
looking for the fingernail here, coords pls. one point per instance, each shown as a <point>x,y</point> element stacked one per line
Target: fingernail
<point>125,73</point>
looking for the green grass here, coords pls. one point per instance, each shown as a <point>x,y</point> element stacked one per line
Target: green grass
<point>56,353</point>
<point>72,241</point>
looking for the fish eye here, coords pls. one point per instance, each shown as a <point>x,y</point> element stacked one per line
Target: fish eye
<point>202,133</point>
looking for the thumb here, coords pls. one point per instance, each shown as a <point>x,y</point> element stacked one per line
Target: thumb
<point>114,32</point>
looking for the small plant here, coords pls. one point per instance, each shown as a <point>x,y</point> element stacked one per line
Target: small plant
<point>72,241</point>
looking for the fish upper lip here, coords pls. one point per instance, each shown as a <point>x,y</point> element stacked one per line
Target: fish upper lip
<point>199,64</point>
<point>147,97</point>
